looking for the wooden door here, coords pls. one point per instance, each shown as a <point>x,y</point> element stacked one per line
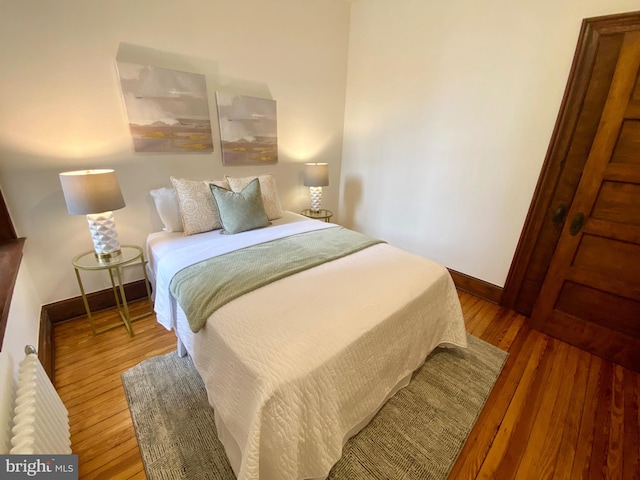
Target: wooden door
<point>594,64</point>
<point>590,295</point>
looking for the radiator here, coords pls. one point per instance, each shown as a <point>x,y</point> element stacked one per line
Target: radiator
<point>40,419</point>
<point>7,397</point>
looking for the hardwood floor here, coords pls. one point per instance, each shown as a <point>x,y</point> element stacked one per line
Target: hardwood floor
<point>87,373</point>
<point>555,411</point>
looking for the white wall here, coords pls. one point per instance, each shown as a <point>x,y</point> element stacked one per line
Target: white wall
<point>22,329</point>
<point>62,108</point>
<point>450,108</point>
<point>23,322</point>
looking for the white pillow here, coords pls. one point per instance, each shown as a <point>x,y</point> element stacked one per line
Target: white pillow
<point>168,209</point>
<point>198,208</point>
<point>267,187</point>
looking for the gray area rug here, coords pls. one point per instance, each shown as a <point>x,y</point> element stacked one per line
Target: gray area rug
<point>418,434</point>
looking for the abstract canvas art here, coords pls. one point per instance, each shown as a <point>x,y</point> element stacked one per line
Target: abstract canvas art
<point>248,129</point>
<point>168,110</point>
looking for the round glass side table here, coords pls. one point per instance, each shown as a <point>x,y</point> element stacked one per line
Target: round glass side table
<point>319,215</point>
<point>88,261</point>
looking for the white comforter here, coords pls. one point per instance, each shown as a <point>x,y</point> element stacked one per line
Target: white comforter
<point>297,367</point>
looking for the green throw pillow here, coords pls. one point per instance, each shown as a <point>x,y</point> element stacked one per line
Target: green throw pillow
<point>240,211</point>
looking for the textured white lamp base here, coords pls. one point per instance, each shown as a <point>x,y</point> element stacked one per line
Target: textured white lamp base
<point>104,235</point>
<point>316,198</point>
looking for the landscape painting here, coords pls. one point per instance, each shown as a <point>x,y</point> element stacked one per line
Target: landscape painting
<point>168,110</point>
<point>248,129</point>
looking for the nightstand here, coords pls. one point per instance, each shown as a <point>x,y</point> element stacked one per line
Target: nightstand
<point>319,215</point>
<point>89,262</point>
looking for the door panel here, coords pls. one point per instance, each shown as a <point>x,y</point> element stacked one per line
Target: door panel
<point>592,305</point>
<point>628,144</point>
<point>591,75</point>
<point>592,286</point>
<point>608,257</point>
<point>619,202</point>
<point>608,343</point>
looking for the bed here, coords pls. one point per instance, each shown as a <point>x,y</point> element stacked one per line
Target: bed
<point>296,367</point>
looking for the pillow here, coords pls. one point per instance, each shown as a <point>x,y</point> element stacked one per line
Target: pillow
<point>168,209</point>
<point>240,211</point>
<point>268,189</point>
<point>198,209</point>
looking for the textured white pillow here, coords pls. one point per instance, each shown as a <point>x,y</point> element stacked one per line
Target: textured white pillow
<point>168,209</point>
<point>197,206</point>
<point>267,187</point>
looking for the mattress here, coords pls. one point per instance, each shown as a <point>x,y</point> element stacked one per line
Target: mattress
<point>295,368</point>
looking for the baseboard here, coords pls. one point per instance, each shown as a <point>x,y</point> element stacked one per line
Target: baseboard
<point>74,307</point>
<point>46,352</point>
<point>477,287</point>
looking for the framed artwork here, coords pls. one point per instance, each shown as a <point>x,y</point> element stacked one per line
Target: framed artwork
<point>168,110</point>
<point>248,129</point>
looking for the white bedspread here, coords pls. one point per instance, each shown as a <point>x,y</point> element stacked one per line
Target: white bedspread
<point>297,367</point>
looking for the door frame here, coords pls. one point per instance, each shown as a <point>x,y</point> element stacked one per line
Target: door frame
<point>568,115</point>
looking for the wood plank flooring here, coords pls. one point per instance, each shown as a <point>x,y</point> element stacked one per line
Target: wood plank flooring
<point>555,411</point>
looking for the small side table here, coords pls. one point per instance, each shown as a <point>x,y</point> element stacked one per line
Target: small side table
<point>89,261</point>
<point>319,215</point>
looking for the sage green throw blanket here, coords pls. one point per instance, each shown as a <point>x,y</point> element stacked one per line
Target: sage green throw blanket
<point>204,287</point>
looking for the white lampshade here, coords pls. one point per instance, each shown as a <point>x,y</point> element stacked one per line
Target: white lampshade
<point>91,191</point>
<point>316,174</point>
<point>95,193</point>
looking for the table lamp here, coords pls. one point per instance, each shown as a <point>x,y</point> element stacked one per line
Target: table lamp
<point>316,176</point>
<point>95,193</point>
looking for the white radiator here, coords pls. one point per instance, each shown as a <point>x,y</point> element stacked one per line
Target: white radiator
<point>40,419</point>
<point>7,397</point>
